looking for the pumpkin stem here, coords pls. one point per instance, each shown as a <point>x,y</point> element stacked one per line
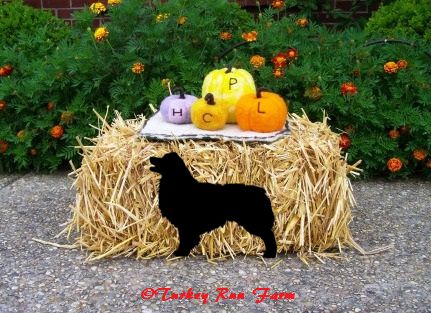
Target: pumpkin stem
<point>209,98</point>
<point>229,69</point>
<point>259,92</point>
<point>181,91</point>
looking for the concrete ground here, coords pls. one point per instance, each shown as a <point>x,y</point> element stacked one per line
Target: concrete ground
<point>41,278</point>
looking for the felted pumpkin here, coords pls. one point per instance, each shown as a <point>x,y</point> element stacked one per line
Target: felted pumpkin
<point>209,115</point>
<point>228,85</point>
<point>261,112</point>
<point>176,108</point>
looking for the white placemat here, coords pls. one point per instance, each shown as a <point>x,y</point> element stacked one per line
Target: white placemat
<point>157,129</point>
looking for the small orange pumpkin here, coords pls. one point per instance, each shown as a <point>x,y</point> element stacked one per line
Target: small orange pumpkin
<point>262,112</point>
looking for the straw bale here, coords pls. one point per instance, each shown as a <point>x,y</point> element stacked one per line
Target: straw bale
<point>305,175</point>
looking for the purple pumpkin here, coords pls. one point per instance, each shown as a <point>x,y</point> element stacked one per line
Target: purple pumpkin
<point>176,108</point>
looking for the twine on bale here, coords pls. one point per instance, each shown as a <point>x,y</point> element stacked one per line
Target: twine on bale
<point>305,175</point>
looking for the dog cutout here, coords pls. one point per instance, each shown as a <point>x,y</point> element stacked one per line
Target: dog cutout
<point>196,208</point>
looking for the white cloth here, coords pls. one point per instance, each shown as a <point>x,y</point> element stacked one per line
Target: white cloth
<point>157,129</point>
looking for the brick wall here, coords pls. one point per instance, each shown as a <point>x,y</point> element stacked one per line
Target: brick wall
<point>64,8</point>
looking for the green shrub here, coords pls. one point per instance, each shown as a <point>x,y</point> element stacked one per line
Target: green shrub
<point>402,18</point>
<point>21,23</point>
<point>84,74</point>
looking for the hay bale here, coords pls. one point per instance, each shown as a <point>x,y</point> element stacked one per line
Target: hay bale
<point>306,177</point>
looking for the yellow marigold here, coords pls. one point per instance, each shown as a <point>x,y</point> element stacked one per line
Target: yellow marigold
<point>257,61</point>
<point>390,67</point>
<point>182,20</point>
<point>250,36</point>
<point>419,154</point>
<point>302,22</point>
<point>402,64</point>
<point>101,33</point>
<point>114,2</point>
<point>225,36</point>
<point>394,165</point>
<point>138,68</point>
<point>97,8</point>
<point>278,4</point>
<point>161,17</point>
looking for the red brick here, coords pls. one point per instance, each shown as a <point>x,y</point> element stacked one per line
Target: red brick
<point>78,3</point>
<point>65,13</point>
<point>56,3</point>
<point>34,3</point>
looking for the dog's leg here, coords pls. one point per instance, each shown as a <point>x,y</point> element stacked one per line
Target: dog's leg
<point>270,244</point>
<point>188,240</point>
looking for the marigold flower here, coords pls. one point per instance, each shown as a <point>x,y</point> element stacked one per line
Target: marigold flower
<point>6,70</point>
<point>101,34</point>
<point>348,89</point>
<point>345,141</point>
<point>97,8</point>
<point>402,64</point>
<point>278,4</point>
<point>292,53</point>
<point>404,130</point>
<point>114,2</point>
<point>428,163</point>
<point>50,106</point>
<point>225,36</point>
<point>390,67</point>
<point>67,117</point>
<point>57,132</point>
<point>393,134</point>
<point>314,93</point>
<point>2,105</point>
<point>250,36</point>
<point>356,73</point>
<point>182,20</point>
<point>138,68</point>
<point>394,165</point>
<point>280,60</point>
<point>257,61</point>
<point>302,22</point>
<point>3,146</point>
<point>420,154</point>
<point>277,72</point>
<point>161,17</point>
<point>33,152</point>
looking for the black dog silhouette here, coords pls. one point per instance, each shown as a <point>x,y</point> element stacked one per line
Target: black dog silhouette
<point>196,208</point>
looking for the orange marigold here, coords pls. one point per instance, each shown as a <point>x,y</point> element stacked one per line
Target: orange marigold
<point>348,89</point>
<point>394,165</point>
<point>225,36</point>
<point>278,4</point>
<point>419,154</point>
<point>393,134</point>
<point>402,64</point>
<point>277,72</point>
<point>292,53</point>
<point>50,106</point>
<point>280,60</point>
<point>428,163</point>
<point>57,132</point>
<point>138,68</point>
<point>302,22</point>
<point>345,141</point>
<point>314,93</point>
<point>33,152</point>
<point>250,36</point>
<point>3,146</point>
<point>390,67</point>
<point>257,61</point>
<point>2,105</point>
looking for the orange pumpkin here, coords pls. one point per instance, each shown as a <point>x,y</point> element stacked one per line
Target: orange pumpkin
<point>262,112</point>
